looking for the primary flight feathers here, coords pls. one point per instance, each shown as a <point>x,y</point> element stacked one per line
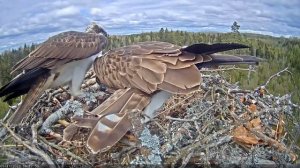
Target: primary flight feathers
<point>156,69</point>
<point>62,59</point>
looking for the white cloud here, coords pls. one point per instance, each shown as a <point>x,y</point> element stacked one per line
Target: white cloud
<point>135,22</point>
<point>67,11</point>
<point>60,3</point>
<point>96,11</point>
<point>26,21</point>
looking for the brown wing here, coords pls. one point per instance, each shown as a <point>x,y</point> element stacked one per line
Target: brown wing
<point>63,48</point>
<point>150,66</point>
<point>113,104</point>
<point>113,122</point>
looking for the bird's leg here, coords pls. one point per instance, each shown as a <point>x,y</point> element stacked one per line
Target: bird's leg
<point>75,88</point>
<point>77,80</point>
<point>157,100</point>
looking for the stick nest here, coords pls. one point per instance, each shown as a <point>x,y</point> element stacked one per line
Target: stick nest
<point>220,124</point>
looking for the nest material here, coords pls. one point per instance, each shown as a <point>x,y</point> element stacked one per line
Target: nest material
<point>220,124</point>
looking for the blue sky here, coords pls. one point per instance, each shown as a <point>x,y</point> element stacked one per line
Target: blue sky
<point>33,21</point>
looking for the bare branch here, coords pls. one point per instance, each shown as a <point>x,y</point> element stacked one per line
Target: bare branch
<point>34,129</point>
<point>277,75</point>
<point>179,119</point>
<point>69,107</point>
<point>31,148</point>
<point>63,150</point>
<point>227,69</point>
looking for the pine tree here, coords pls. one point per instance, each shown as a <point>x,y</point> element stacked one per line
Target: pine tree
<point>235,27</point>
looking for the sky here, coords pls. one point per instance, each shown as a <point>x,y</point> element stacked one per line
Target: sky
<point>33,21</point>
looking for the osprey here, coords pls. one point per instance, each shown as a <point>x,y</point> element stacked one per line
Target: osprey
<point>146,75</point>
<point>62,59</point>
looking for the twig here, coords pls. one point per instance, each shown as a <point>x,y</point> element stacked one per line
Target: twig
<point>206,111</point>
<point>236,99</point>
<point>227,69</point>
<point>89,83</point>
<point>178,119</point>
<point>277,75</point>
<point>69,107</point>
<point>63,89</point>
<point>16,155</point>
<point>31,148</point>
<point>34,129</point>
<point>57,101</point>
<point>67,152</point>
<point>10,110</point>
<point>235,91</point>
<point>187,159</point>
<point>249,73</point>
<point>200,145</point>
<point>191,120</point>
<point>160,126</point>
<point>175,105</point>
<point>11,146</point>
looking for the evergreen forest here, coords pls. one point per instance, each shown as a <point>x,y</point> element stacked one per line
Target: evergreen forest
<point>279,53</point>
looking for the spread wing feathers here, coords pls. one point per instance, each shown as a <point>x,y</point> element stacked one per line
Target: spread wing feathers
<point>63,48</point>
<point>110,126</point>
<point>30,99</point>
<point>108,131</point>
<point>113,104</point>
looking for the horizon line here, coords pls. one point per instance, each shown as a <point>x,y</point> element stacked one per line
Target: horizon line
<point>270,34</point>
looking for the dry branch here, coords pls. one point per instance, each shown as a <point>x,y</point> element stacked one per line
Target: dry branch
<point>63,150</point>
<point>33,149</point>
<point>227,69</point>
<point>196,128</point>
<point>277,75</point>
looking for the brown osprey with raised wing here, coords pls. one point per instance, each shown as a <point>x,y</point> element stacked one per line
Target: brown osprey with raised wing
<point>62,59</point>
<point>147,74</point>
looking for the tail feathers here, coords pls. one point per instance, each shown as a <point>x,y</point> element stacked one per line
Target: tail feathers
<point>206,49</point>
<point>22,83</point>
<point>30,99</point>
<point>222,59</point>
<point>16,94</point>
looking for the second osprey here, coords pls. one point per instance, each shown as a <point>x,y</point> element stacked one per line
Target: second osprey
<point>147,74</point>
